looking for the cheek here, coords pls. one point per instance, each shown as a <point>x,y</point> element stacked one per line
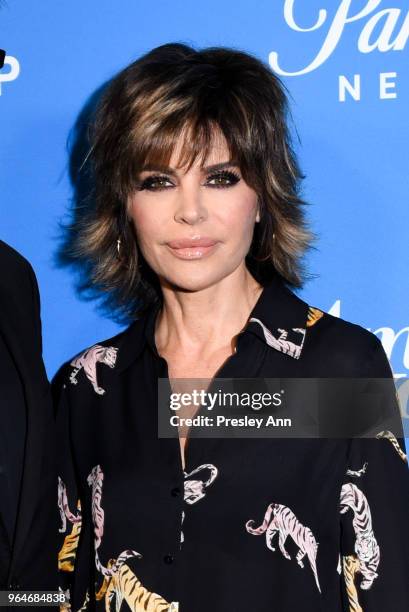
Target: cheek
<point>145,222</point>
<point>240,216</point>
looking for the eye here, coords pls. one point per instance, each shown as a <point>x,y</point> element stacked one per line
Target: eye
<point>224,178</point>
<point>154,183</point>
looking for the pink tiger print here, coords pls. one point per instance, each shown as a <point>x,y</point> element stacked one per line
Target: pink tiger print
<point>95,480</point>
<point>281,343</point>
<point>65,511</point>
<point>366,546</point>
<point>286,523</point>
<point>88,362</point>
<point>194,490</point>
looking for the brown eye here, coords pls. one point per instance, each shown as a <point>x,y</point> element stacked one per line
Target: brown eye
<point>154,183</point>
<point>224,179</point>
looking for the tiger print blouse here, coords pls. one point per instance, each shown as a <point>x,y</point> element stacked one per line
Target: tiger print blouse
<point>139,532</point>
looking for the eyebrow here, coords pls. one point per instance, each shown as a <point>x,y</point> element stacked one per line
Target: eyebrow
<point>172,172</point>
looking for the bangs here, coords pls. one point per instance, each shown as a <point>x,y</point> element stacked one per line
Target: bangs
<point>194,135</point>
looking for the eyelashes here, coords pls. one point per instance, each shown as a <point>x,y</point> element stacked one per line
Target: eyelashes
<point>157,182</point>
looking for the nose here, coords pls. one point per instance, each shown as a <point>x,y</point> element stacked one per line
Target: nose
<point>190,207</point>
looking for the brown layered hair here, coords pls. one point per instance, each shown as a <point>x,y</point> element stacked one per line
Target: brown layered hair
<point>173,90</point>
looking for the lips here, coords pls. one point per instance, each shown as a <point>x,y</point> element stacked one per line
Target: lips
<point>187,243</point>
<point>193,248</point>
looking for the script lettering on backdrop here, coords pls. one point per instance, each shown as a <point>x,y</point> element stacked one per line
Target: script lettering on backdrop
<point>390,36</point>
<point>389,339</point>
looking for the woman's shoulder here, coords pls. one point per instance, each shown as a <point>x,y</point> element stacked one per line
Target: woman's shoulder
<point>337,329</point>
<point>348,347</point>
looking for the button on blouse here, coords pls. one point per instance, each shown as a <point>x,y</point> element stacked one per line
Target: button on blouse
<point>250,524</point>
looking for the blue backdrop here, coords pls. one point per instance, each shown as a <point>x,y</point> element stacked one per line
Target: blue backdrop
<point>345,63</point>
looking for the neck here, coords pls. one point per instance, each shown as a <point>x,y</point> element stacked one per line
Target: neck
<point>203,320</point>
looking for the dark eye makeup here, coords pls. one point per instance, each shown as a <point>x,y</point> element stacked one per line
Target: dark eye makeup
<point>157,182</point>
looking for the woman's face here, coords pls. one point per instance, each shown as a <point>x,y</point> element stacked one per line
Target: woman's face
<point>194,228</point>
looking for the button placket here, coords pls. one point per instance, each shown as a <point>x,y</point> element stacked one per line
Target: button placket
<point>14,585</point>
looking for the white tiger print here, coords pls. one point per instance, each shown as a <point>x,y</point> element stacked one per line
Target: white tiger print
<point>88,361</point>
<point>194,490</point>
<point>95,480</point>
<point>182,535</point>
<point>63,507</point>
<point>388,435</point>
<point>339,565</point>
<point>366,546</point>
<point>281,343</point>
<point>285,523</point>
<point>358,473</point>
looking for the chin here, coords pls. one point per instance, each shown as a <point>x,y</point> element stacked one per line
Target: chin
<point>195,280</point>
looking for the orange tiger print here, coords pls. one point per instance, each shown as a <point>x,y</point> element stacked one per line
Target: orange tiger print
<point>125,585</point>
<point>119,582</point>
<point>65,606</point>
<point>68,551</point>
<point>350,566</point>
<point>314,315</point>
<point>103,588</point>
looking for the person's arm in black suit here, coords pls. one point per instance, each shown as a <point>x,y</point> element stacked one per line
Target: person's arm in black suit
<point>33,551</point>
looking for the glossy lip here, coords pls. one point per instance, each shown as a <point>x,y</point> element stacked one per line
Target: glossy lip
<point>196,241</point>
<point>194,249</point>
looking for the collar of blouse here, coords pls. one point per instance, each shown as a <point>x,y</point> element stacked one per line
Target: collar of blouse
<point>279,318</point>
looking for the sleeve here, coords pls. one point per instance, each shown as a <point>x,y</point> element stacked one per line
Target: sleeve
<point>374,508</point>
<point>74,553</point>
<point>36,310</point>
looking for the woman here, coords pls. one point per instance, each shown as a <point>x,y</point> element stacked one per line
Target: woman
<point>197,233</point>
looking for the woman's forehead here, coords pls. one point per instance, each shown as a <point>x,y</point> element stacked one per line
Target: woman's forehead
<point>189,149</point>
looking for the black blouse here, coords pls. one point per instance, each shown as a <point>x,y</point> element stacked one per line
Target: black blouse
<point>138,532</point>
